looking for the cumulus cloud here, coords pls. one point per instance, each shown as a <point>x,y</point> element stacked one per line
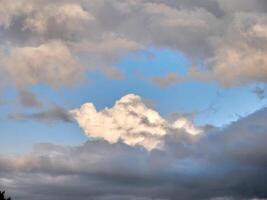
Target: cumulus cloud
<point>241,57</point>
<point>140,154</point>
<point>103,54</point>
<point>50,63</point>
<point>9,10</point>
<point>129,120</point>
<point>222,163</point>
<point>238,57</point>
<point>58,18</point>
<point>108,45</point>
<point>229,38</point>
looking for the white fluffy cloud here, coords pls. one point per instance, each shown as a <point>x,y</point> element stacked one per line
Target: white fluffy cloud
<point>131,121</point>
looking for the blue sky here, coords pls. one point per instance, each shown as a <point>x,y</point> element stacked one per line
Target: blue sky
<point>133,99</point>
<point>206,103</point>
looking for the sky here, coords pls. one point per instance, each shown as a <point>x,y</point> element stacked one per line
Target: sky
<point>133,100</point>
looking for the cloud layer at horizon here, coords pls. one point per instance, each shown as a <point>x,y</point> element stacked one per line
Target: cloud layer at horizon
<point>229,163</point>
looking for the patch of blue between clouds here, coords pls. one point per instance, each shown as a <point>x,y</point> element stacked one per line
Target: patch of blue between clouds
<point>208,102</point>
<point>211,103</point>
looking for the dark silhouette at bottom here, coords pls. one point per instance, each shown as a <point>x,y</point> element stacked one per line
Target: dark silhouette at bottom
<point>2,196</point>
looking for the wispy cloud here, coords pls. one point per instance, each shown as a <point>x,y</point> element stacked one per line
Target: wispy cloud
<point>28,99</point>
<point>52,114</point>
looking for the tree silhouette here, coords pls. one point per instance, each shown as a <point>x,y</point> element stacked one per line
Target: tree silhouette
<point>2,196</point>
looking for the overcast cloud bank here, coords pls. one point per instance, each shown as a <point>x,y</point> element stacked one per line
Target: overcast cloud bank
<point>225,162</point>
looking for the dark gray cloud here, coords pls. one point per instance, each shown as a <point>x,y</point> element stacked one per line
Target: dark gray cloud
<point>229,163</point>
<point>52,114</point>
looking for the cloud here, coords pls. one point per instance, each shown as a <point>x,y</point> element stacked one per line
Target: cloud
<point>50,63</point>
<point>221,163</point>
<point>108,45</point>
<point>9,10</point>
<point>103,54</point>
<point>112,73</point>
<point>259,6</point>
<point>58,18</point>
<point>52,114</point>
<point>140,154</point>
<point>167,80</point>
<point>28,99</point>
<point>228,38</point>
<point>260,92</point>
<point>241,58</point>
<point>129,120</point>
